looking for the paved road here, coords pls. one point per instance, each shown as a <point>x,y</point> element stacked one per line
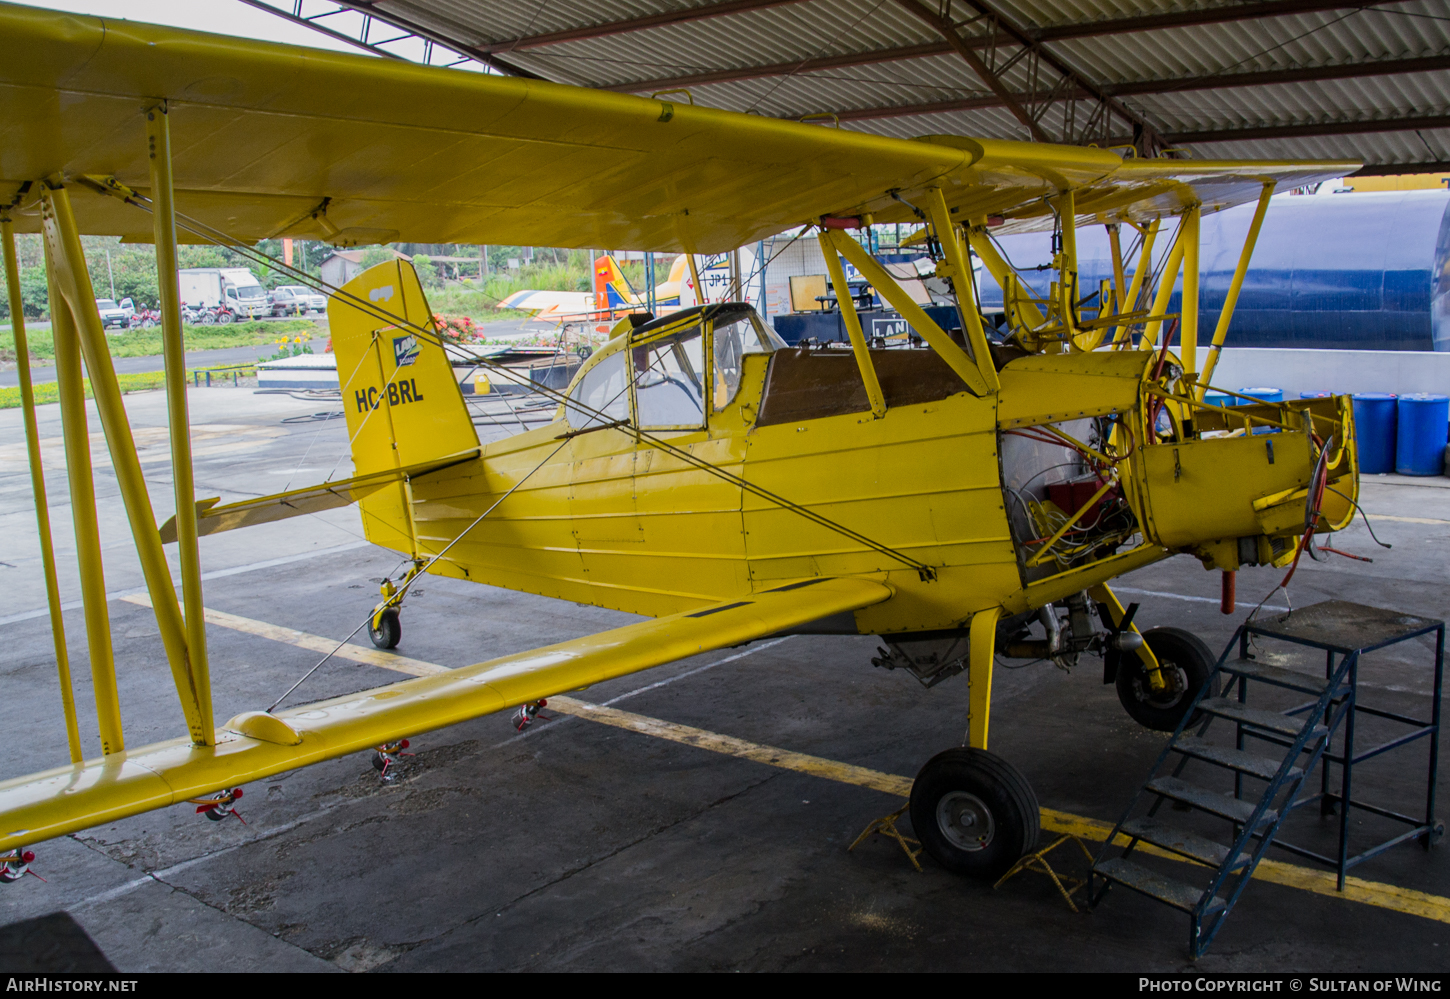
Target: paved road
<point>130,365</point>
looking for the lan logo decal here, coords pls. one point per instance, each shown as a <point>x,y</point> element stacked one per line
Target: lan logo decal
<point>405,350</point>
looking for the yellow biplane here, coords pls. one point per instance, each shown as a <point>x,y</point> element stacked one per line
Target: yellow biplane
<point>965,500</point>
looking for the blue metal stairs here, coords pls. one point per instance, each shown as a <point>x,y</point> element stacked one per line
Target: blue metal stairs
<point>1253,822</point>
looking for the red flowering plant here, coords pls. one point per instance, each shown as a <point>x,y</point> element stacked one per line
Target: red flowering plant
<point>456,329</point>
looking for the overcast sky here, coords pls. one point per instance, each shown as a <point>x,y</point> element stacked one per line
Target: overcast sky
<point>228,17</point>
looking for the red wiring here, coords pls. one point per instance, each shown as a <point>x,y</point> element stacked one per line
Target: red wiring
<point>1336,551</point>
<point>1321,479</point>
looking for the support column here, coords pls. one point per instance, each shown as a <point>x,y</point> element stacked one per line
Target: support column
<point>163,216</point>
<point>1188,341</point>
<point>695,276</point>
<point>1115,244</point>
<point>853,322</point>
<point>961,265</point>
<point>1140,274</point>
<point>69,383</point>
<point>1066,204</point>
<point>74,283</point>
<point>1165,291</point>
<point>37,486</point>
<point>982,644</point>
<point>1220,331</point>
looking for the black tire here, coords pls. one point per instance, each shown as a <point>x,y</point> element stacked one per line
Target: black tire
<point>389,630</point>
<point>379,762</point>
<point>985,791</point>
<point>1186,662</point>
<point>224,318</point>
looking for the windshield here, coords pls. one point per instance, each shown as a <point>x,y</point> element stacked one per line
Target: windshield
<point>734,338</point>
<point>602,390</point>
<point>251,291</point>
<point>105,303</point>
<point>668,387</point>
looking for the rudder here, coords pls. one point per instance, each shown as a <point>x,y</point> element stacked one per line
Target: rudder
<point>402,401</point>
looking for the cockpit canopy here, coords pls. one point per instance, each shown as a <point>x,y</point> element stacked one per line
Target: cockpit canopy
<point>663,362</point>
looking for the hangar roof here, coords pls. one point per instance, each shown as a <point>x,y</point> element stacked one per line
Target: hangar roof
<point>1282,79</point>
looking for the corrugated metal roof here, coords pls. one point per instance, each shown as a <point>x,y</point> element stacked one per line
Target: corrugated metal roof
<point>1178,79</point>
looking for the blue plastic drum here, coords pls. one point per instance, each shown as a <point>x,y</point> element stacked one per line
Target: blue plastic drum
<point>1315,395</point>
<point>1218,399</point>
<point>1424,426</point>
<point>1261,394</point>
<point>1375,418</point>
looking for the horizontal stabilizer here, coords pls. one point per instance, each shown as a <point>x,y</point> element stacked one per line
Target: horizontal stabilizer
<point>211,518</point>
<point>255,745</point>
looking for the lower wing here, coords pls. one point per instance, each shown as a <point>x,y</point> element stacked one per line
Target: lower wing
<point>255,745</point>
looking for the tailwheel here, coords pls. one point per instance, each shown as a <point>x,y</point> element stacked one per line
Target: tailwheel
<point>1185,663</point>
<point>974,813</point>
<point>386,630</point>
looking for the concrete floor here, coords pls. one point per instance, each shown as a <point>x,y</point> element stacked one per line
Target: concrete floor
<point>581,845</point>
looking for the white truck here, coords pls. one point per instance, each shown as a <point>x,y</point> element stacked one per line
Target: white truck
<point>233,291</point>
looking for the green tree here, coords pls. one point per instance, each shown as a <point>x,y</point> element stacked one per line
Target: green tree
<point>427,272</point>
<point>374,255</point>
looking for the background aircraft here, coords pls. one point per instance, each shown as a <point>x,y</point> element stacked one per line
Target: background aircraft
<point>613,294</point>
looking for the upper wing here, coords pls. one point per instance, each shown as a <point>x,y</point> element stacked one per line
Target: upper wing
<point>255,745</point>
<point>272,140</point>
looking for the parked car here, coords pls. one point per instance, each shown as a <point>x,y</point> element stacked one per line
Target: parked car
<point>296,300</point>
<point>115,315</point>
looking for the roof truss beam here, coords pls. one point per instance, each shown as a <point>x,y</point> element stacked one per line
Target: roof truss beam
<point>625,26</point>
<point>1216,15</point>
<point>362,40</point>
<point>1212,81</point>
<point>1099,108</point>
<point>1306,130</point>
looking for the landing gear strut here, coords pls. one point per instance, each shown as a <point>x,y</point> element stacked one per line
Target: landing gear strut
<point>1184,665</point>
<point>974,813</point>
<point>386,627</point>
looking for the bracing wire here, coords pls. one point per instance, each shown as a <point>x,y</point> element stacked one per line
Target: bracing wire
<point>431,335</point>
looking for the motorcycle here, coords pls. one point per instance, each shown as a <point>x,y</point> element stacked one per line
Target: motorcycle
<point>144,319</point>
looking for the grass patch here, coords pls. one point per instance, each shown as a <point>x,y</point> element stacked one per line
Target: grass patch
<point>144,381</point>
<point>147,343</point>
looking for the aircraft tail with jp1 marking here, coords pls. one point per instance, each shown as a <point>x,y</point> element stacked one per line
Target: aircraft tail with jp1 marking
<point>403,403</point>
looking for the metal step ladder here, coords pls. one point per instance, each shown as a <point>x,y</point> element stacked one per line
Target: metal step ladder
<point>1253,822</point>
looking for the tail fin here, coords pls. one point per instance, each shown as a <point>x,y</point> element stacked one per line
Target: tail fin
<point>612,289</point>
<point>403,403</point>
<point>667,292</point>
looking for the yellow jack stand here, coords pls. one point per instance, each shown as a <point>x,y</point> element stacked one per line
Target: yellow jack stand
<point>1038,862</point>
<point>886,826</point>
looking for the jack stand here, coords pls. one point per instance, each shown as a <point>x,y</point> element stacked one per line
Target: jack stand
<point>219,805</point>
<point>1066,885</point>
<point>886,826</point>
<point>527,714</point>
<point>15,865</point>
<point>386,757</point>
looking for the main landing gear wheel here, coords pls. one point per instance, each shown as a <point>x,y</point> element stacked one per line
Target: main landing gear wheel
<point>974,813</point>
<point>389,630</point>
<point>1185,664</point>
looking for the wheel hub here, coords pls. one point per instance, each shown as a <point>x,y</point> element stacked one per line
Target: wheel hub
<point>1175,687</point>
<point>965,821</point>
